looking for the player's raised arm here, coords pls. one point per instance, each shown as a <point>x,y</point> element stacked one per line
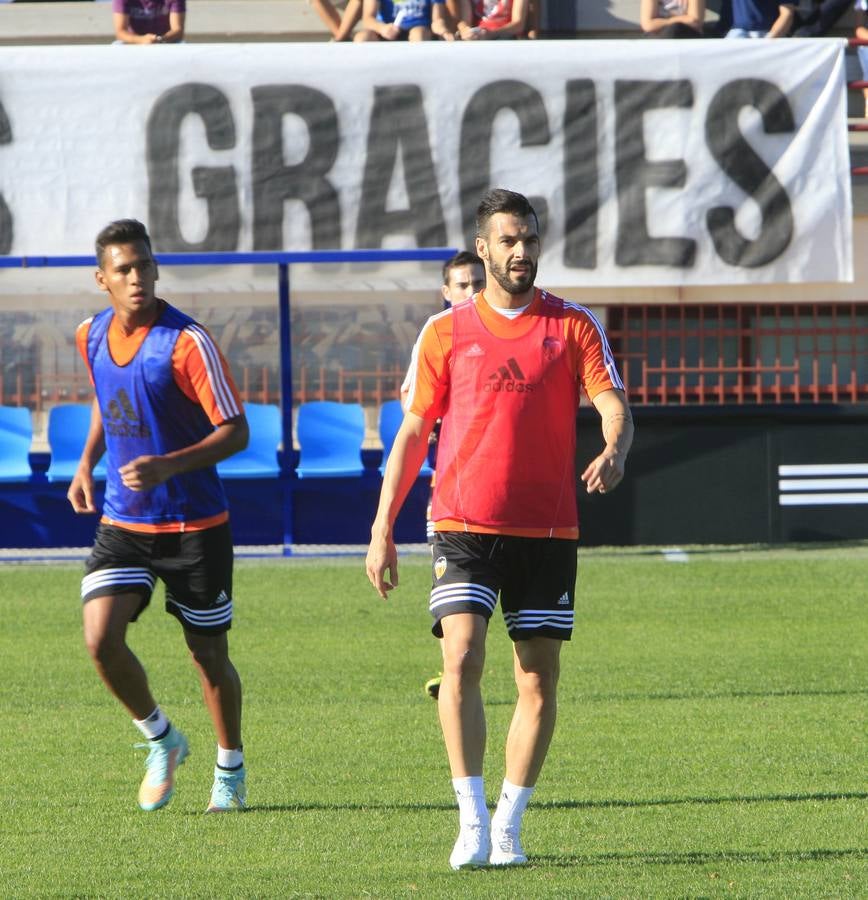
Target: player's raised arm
<point>402,468</point>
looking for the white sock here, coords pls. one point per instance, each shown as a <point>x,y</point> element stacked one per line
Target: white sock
<point>154,726</point>
<point>470,794</point>
<point>230,759</point>
<point>511,805</point>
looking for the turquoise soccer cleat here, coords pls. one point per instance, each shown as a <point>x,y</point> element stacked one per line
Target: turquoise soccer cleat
<point>164,758</point>
<point>229,792</point>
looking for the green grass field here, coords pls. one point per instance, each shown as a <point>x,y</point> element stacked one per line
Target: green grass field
<point>711,740</point>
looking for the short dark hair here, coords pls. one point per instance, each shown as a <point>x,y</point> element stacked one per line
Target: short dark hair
<point>464,258</point>
<point>121,231</point>
<point>500,200</point>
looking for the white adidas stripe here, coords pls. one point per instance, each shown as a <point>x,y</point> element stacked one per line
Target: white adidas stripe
<point>824,469</point>
<point>822,484</point>
<point>549,621</point>
<point>409,384</point>
<point>537,615</point>
<point>608,356</point>
<point>104,578</point>
<point>811,484</point>
<point>452,593</point>
<point>217,616</point>
<point>226,402</point>
<point>854,498</point>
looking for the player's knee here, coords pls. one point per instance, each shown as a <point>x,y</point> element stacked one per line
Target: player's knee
<point>539,682</point>
<point>210,657</point>
<point>465,663</point>
<point>103,646</point>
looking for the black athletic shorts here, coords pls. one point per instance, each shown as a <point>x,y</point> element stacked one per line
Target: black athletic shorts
<point>535,578</point>
<point>195,566</point>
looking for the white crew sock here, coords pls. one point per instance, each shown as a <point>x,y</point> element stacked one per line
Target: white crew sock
<point>230,759</point>
<point>154,726</point>
<point>511,805</point>
<point>470,794</point>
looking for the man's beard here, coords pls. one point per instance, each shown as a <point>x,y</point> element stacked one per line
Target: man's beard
<point>518,286</point>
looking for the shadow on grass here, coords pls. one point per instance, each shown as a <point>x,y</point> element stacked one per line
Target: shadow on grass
<point>702,858</point>
<point>557,804</point>
<point>716,695</point>
<point>702,801</point>
<point>689,695</point>
<point>731,549</point>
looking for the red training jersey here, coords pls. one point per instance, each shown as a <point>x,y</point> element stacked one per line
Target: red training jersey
<point>512,396</point>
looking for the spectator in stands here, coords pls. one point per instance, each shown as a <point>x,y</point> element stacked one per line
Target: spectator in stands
<point>817,17</point>
<point>491,19</point>
<point>149,21</point>
<point>533,17</point>
<point>862,35</point>
<point>760,19</point>
<point>340,25</point>
<point>672,18</point>
<point>397,20</point>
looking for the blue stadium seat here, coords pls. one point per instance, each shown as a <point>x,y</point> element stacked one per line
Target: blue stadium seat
<point>259,459</point>
<point>391,416</point>
<point>68,425</point>
<point>330,435</point>
<point>16,436</point>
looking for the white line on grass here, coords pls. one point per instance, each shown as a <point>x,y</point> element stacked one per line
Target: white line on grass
<point>675,554</point>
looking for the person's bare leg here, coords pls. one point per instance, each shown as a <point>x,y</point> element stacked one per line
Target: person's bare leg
<point>340,25</point>
<point>537,667</point>
<point>462,716</point>
<point>330,17</point>
<point>105,628</point>
<point>350,18</point>
<point>536,663</point>
<point>221,686</point>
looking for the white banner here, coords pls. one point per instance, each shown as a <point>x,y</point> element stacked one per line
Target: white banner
<point>649,162</point>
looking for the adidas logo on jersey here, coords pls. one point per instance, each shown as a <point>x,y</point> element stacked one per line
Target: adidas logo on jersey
<point>121,420</point>
<point>508,378</point>
<point>564,600</point>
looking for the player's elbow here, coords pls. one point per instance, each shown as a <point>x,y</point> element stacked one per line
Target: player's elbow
<point>236,435</point>
<point>241,435</point>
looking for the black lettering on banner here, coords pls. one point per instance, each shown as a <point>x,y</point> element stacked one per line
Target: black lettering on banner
<point>274,182</point>
<point>398,124</point>
<point>214,184</point>
<point>745,167</point>
<point>477,125</point>
<point>634,174</point>
<point>7,227</point>
<point>581,175</point>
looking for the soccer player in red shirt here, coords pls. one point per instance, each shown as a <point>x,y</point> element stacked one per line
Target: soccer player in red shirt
<point>504,371</point>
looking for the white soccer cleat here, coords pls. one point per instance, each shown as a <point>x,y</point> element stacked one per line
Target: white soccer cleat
<point>472,847</point>
<point>506,849</point>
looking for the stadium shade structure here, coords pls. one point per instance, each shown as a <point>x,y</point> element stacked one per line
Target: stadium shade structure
<point>282,260</point>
